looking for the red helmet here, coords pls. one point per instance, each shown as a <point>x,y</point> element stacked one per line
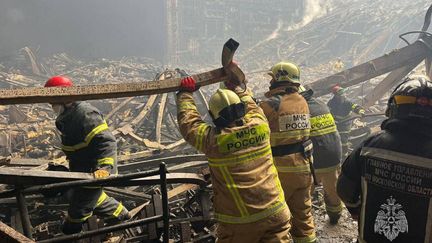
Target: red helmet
<point>337,89</point>
<point>58,81</point>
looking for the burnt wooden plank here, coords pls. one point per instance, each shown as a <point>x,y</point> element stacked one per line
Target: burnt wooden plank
<point>103,91</point>
<point>9,235</point>
<point>34,177</point>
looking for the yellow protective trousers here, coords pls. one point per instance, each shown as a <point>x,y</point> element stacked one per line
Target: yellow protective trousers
<point>273,229</point>
<point>328,177</point>
<point>297,187</point>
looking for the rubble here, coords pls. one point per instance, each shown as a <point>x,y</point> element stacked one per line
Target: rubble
<point>146,127</point>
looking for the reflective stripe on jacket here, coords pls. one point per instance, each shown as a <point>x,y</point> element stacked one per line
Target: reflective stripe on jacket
<point>86,139</point>
<point>245,181</point>
<point>289,120</point>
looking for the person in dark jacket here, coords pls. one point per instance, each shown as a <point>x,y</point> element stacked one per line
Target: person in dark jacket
<point>386,183</point>
<point>341,108</point>
<point>327,152</point>
<point>91,148</point>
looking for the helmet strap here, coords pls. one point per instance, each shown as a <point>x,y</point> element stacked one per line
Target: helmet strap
<point>230,114</point>
<point>280,84</point>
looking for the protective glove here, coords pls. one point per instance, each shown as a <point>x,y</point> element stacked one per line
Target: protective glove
<point>188,84</point>
<point>362,113</point>
<point>101,173</point>
<point>231,84</point>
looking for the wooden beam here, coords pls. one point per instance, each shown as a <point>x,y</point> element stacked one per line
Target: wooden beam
<point>106,91</point>
<point>180,189</point>
<point>25,162</point>
<point>160,117</point>
<point>9,235</point>
<point>34,177</point>
<point>118,107</point>
<point>103,91</point>
<point>143,113</point>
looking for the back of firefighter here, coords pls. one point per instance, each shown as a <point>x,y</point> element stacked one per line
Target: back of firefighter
<point>91,148</point>
<point>327,152</point>
<point>341,109</point>
<point>288,116</point>
<point>386,183</point>
<point>248,199</point>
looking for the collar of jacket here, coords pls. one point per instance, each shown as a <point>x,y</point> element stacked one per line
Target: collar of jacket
<point>68,110</point>
<point>308,94</point>
<point>407,126</point>
<point>286,89</point>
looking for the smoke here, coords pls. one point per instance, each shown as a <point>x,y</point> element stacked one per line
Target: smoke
<point>83,28</point>
<point>313,9</point>
<point>15,15</point>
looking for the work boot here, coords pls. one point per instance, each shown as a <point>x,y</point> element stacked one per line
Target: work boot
<point>334,218</point>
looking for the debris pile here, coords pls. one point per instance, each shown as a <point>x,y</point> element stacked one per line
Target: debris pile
<point>147,133</point>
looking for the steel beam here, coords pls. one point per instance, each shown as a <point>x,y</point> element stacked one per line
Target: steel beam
<point>117,227</point>
<point>392,79</point>
<point>152,163</point>
<point>408,55</point>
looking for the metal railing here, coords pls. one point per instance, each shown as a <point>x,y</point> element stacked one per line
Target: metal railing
<point>110,181</point>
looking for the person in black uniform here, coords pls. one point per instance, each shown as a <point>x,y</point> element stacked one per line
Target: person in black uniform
<point>341,108</point>
<point>327,152</point>
<point>386,183</point>
<point>91,148</point>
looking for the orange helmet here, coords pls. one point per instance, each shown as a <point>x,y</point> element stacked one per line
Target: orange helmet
<point>59,81</point>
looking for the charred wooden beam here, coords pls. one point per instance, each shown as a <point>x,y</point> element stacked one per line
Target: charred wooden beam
<point>34,177</point>
<point>106,91</point>
<point>103,91</point>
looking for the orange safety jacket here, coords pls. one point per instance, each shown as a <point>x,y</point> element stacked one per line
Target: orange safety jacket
<point>245,181</point>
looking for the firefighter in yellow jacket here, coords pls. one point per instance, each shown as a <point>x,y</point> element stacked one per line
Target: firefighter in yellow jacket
<point>288,115</point>
<point>248,199</point>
